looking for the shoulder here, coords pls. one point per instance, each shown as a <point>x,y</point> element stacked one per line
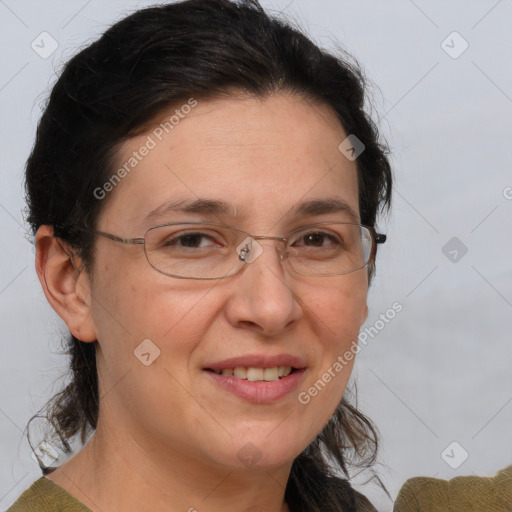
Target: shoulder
<point>468,493</point>
<point>46,496</point>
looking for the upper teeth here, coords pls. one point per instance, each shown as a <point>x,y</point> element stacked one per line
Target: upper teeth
<point>254,374</point>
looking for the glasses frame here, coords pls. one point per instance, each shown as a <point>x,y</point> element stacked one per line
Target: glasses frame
<point>377,238</point>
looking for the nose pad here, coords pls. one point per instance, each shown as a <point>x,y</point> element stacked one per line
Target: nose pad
<point>249,250</point>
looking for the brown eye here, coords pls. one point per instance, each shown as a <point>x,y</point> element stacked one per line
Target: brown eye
<point>189,240</point>
<point>318,239</point>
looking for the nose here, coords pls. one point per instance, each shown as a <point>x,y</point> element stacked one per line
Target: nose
<point>264,295</point>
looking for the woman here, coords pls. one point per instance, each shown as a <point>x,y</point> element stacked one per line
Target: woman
<point>204,190</point>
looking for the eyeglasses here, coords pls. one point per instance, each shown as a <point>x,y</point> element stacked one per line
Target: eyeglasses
<point>203,250</point>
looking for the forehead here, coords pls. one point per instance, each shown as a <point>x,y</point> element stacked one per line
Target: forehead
<point>260,156</point>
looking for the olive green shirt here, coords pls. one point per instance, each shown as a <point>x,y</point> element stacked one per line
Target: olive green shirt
<point>460,494</point>
<point>46,496</point>
<point>421,494</point>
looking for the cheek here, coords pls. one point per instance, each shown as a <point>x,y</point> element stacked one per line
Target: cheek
<point>174,315</point>
<point>340,312</point>
<point>340,306</point>
<point>174,319</point>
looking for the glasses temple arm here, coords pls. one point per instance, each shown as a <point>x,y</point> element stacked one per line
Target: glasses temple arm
<point>117,238</point>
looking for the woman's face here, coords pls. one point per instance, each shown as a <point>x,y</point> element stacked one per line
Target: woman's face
<point>263,158</point>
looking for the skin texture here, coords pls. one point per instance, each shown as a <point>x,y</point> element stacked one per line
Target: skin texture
<point>167,437</point>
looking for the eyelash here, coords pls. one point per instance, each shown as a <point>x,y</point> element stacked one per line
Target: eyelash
<point>177,237</point>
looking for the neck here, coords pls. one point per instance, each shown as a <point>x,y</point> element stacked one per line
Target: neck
<point>118,472</point>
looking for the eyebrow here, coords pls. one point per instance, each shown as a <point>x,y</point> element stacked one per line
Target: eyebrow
<point>214,207</point>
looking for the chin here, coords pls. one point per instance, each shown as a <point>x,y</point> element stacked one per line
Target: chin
<point>260,453</point>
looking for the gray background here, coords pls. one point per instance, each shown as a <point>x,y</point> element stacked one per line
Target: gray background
<point>439,372</point>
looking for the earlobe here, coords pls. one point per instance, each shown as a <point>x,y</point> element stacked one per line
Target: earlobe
<point>65,285</point>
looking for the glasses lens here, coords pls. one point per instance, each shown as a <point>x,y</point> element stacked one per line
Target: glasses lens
<point>330,249</point>
<point>194,251</point>
<point>208,251</point>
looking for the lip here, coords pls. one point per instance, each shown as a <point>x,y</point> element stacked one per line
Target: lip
<point>259,392</point>
<point>258,361</point>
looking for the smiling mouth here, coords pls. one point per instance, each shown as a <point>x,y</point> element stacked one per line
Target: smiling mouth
<point>253,374</point>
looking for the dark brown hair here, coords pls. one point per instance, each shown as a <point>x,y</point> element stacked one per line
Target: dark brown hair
<point>139,68</point>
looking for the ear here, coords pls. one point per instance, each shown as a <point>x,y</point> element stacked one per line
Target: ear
<point>66,286</point>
